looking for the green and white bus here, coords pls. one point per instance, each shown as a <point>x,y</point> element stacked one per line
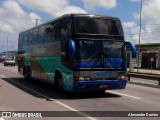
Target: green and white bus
<point>76,52</point>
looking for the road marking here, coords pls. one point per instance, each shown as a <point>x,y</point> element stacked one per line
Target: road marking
<point>48,98</point>
<point>113,92</point>
<point>1,118</point>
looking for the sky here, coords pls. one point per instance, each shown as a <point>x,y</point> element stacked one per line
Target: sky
<point>20,15</point>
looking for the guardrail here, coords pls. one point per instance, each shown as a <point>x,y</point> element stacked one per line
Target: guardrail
<point>145,76</point>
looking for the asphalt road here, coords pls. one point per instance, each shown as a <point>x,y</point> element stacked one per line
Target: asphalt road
<point>19,95</point>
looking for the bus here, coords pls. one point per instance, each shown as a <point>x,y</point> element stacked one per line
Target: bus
<point>76,52</point>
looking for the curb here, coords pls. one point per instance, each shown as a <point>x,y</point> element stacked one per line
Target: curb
<point>144,84</point>
<point>144,76</point>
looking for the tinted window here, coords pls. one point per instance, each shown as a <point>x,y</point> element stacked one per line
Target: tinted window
<point>89,49</point>
<point>113,49</point>
<point>25,39</point>
<point>34,36</point>
<point>20,41</point>
<point>55,32</point>
<point>47,33</point>
<point>65,30</point>
<point>97,26</point>
<point>41,34</point>
<point>29,37</point>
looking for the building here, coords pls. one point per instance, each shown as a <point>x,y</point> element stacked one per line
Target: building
<point>4,55</point>
<point>11,54</point>
<point>149,56</point>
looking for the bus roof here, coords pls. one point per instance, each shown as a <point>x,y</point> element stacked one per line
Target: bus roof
<point>73,15</point>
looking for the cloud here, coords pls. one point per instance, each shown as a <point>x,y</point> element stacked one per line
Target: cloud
<point>131,31</point>
<point>54,8</point>
<point>19,15</point>
<point>70,9</point>
<point>93,4</point>
<point>14,20</point>
<point>135,0</point>
<point>150,22</point>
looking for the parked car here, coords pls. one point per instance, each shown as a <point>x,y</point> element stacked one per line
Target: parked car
<point>9,61</point>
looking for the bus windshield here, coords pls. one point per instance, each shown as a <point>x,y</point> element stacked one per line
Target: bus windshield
<point>99,54</point>
<point>97,26</point>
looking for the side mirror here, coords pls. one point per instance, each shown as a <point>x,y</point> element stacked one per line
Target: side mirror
<point>72,49</point>
<point>133,48</point>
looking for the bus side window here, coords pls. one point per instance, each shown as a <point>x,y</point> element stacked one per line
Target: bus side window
<point>65,30</point>
<point>25,39</point>
<point>29,37</point>
<point>34,35</point>
<point>41,34</point>
<point>47,33</point>
<point>65,36</point>
<point>55,31</point>
<point>20,41</point>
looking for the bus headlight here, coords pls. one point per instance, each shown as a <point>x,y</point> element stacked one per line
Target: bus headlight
<point>82,78</point>
<point>123,77</point>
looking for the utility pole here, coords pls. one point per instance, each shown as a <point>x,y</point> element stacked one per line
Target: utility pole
<point>36,22</point>
<point>140,26</point>
<point>2,48</point>
<point>12,45</point>
<point>7,45</point>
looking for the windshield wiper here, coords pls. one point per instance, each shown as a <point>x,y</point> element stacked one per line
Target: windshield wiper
<point>98,59</point>
<point>108,64</point>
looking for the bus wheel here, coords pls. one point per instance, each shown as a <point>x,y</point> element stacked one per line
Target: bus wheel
<point>59,84</point>
<point>24,72</point>
<point>29,77</point>
<point>27,74</point>
<point>58,81</point>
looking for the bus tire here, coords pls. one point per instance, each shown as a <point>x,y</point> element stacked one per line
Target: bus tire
<point>59,84</point>
<point>25,72</point>
<point>58,81</point>
<point>29,74</point>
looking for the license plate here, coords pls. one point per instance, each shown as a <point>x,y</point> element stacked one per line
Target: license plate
<point>103,86</point>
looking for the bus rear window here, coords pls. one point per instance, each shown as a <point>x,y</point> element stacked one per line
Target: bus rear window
<point>97,26</point>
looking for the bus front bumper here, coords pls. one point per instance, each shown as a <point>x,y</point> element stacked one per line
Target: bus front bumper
<point>99,85</point>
